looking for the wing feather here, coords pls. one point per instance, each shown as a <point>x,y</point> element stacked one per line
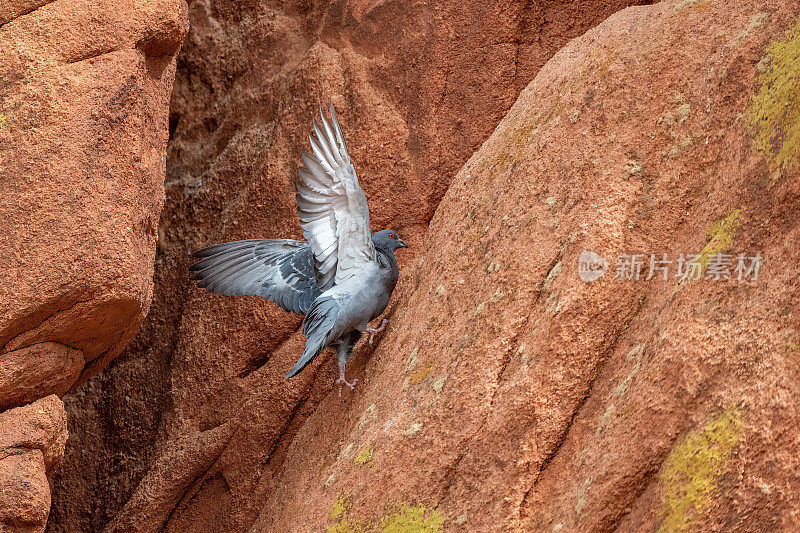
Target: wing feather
<point>325,145</point>
<point>338,129</point>
<point>280,270</point>
<point>332,207</point>
<point>331,139</point>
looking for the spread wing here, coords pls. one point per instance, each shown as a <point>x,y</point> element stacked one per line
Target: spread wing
<point>280,270</point>
<point>332,207</point>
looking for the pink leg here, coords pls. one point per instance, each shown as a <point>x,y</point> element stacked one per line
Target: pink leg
<point>341,376</point>
<point>373,331</point>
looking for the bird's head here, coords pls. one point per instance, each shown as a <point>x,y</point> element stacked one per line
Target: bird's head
<point>388,240</point>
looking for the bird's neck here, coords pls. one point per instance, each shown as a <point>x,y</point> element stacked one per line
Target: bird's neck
<point>388,254</point>
<point>388,257</point>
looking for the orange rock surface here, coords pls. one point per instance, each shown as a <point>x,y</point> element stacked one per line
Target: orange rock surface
<point>32,442</point>
<point>84,96</point>
<point>419,87</point>
<point>507,394</point>
<point>511,395</point>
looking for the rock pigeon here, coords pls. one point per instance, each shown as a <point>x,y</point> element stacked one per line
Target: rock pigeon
<point>340,278</point>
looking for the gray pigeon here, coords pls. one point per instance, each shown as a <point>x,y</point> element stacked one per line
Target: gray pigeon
<point>340,278</point>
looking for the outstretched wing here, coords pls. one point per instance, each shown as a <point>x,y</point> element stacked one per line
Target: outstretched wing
<point>332,207</point>
<point>280,270</point>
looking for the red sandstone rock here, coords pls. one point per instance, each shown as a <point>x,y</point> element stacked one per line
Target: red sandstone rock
<point>510,394</point>
<point>44,368</point>
<point>168,481</point>
<point>83,125</point>
<point>507,394</point>
<point>32,442</point>
<point>418,88</point>
<point>84,96</point>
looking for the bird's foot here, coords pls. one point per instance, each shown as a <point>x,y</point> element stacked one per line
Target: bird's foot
<point>341,379</point>
<point>373,331</point>
<point>351,385</point>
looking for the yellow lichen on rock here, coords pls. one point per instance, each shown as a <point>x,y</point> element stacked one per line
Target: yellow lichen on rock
<point>774,112</point>
<point>411,519</point>
<point>720,236</point>
<point>691,473</point>
<point>416,518</point>
<point>339,512</point>
<point>365,457</point>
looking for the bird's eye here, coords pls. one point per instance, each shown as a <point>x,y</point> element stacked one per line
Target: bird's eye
<point>392,236</point>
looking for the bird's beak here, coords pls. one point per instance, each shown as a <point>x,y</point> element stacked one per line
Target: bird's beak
<point>402,244</point>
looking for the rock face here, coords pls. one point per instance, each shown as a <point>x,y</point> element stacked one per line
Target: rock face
<point>83,128</point>
<point>83,131</point>
<point>418,87</point>
<point>507,393</point>
<point>32,442</point>
<point>511,395</point>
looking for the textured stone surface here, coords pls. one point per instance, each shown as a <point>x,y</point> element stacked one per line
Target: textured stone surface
<point>44,368</point>
<point>32,442</point>
<point>506,394</point>
<point>511,395</point>
<point>84,97</point>
<point>83,126</point>
<point>418,87</point>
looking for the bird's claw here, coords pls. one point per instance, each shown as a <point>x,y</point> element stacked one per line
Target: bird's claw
<point>351,385</point>
<point>373,331</point>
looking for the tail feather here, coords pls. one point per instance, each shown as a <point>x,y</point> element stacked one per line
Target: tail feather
<point>318,326</point>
